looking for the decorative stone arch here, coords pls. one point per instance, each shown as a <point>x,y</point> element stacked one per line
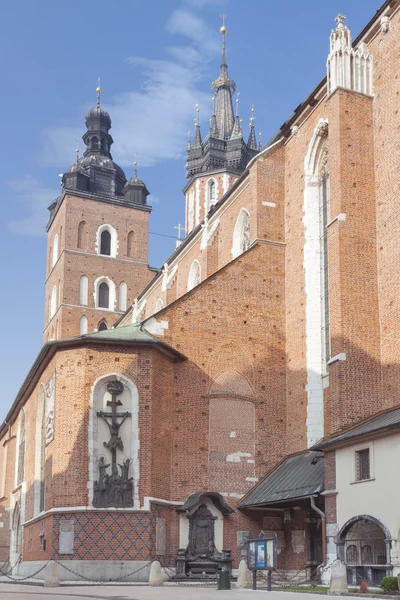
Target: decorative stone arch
<point>112,293</point>
<point>194,275</point>
<point>82,240</point>
<point>113,243</point>
<point>130,402</point>
<point>346,528</point>
<point>159,305</point>
<point>315,160</point>
<point>241,233</point>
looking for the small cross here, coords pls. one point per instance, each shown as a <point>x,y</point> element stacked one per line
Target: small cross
<point>179,228</point>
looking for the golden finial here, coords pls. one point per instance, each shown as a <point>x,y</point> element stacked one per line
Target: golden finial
<point>197,119</point>
<point>77,151</point>
<point>98,90</point>
<point>223,28</point>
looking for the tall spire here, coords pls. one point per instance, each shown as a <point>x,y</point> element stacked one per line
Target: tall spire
<point>223,88</point>
<point>197,135</point>
<point>252,142</point>
<point>237,128</point>
<point>213,121</point>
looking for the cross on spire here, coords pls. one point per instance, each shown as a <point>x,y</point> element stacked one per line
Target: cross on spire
<point>179,228</point>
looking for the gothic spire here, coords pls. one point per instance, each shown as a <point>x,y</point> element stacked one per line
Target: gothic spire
<point>237,128</point>
<point>223,88</point>
<point>252,142</point>
<point>197,134</point>
<point>213,121</point>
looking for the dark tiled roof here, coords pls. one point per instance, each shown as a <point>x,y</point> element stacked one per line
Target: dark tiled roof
<point>387,420</point>
<point>297,476</point>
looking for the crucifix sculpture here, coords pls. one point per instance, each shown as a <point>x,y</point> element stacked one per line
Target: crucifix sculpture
<point>113,489</point>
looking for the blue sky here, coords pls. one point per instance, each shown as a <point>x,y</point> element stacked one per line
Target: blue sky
<point>156,60</point>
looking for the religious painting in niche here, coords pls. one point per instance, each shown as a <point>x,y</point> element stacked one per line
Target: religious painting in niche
<point>50,394</point>
<point>114,485</point>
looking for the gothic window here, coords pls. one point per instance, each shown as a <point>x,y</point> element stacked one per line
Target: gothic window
<point>82,235</point>
<point>83,290</point>
<point>21,449</point>
<point>105,243</point>
<point>194,275</point>
<point>122,295</point>
<point>159,305</point>
<point>104,295</point>
<point>53,302</point>
<point>323,221</point>
<point>241,234</point>
<point>211,193</point>
<point>49,265</point>
<point>131,245</point>
<point>83,325</point>
<point>102,326</point>
<point>55,250</point>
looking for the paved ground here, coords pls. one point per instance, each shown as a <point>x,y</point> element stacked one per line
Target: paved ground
<point>31,592</point>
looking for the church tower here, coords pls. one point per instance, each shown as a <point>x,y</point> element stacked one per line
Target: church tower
<point>97,260</point>
<point>214,164</point>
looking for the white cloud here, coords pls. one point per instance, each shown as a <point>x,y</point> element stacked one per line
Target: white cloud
<point>34,199</point>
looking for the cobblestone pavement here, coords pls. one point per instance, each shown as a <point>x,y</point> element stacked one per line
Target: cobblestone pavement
<point>32,592</point>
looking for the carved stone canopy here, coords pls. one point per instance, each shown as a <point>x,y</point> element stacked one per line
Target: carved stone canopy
<point>195,500</point>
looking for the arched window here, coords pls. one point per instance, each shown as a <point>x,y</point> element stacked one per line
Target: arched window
<point>83,325</point>
<point>82,235</point>
<point>351,555</point>
<point>159,305</point>
<point>211,193</point>
<point>131,250</point>
<point>241,234</point>
<point>122,295</point>
<point>105,243</point>
<point>55,250</point>
<point>21,449</point>
<point>194,275</point>
<point>102,325</point>
<point>16,535</point>
<point>53,302</point>
<point>83,290</point>
<point>95,143</point>
<point>104,295</point>
<point>49,265</point>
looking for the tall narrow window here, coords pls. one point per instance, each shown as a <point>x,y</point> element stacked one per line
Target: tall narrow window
<point>53,302</point>
<point>43,456</point>
<point>21,450</point>
<point>131,245</point>
<point>102,325</point>
<point>363,470</point>
<point>83,290</point>
<point>194,275</point>
<point>105,243</point>
<point>83,325</point>
<point>82,235</point>
<point>122,295</point>
<point>104,295</point>
<point>324,220</point>
<point>55,250</point>
<point>241,234</point>
<point>212,190</point>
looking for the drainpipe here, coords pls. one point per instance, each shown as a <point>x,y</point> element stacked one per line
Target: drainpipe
<point>323,523</point>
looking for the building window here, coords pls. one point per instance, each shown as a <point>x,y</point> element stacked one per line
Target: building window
<point>194,275</point>
<point>21,450</point>
<point>323,222</point>
<point>53,302</point>
<point>363,470</point>
<point>159,305</point>
<point>104,295</point>
<point>211,193</point>
<point>131,245</point>
<point>122,295</point>
<point>83,325</point>
<point>55,250</point>
<point>83,290</point>
<point>82,235</point>
<point>105,243</point>
<point>241,234</point>
<point>102,326</point>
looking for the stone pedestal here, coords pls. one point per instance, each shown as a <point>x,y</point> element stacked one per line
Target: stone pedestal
<point>244,578</point>
<point>338,579</point>
<point>51,578</point>
<point>156,574</point>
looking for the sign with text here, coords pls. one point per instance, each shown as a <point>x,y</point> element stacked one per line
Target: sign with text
<point>261,553</point>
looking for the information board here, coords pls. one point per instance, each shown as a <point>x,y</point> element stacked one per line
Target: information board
<point>261,553</point>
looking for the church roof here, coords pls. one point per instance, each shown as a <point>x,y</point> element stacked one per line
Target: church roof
<point>297,476</point>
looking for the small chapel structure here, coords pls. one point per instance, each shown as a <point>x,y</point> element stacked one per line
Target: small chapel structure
<point>174,413</point>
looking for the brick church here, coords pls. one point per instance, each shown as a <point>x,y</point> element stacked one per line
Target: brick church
<point>172,414</point>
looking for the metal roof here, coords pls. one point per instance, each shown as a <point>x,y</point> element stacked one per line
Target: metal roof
<point>298,476</point>
<point>386,420</point>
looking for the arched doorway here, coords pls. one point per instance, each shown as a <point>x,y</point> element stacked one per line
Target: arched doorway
<point>364,545</point>
<point>16,536</point>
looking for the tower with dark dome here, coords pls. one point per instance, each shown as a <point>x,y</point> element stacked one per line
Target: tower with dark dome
<point>97,238</point>
<point>215,162</point>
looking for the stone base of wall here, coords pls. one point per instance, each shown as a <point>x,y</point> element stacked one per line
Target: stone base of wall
<point>96,570</point>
